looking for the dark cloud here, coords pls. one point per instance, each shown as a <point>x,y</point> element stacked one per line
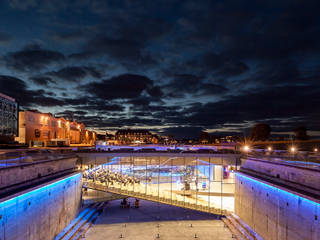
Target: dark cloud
<point>219,65</point>
<point>69,114</point>
<point>18,89</point>
<point>122,87</point>
<point>32,59</point>
<point>268,103</point>
<point>102,107</point>
<point>181,84</point>
<point>73,74</point>
<point>42,80</point>
<point>68,37</point>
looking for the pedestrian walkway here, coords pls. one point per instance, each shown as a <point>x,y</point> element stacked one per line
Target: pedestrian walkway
<point>156,194</point>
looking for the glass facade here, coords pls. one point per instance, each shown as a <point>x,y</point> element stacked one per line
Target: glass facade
<point>205,184</point>
<point>8,118</point>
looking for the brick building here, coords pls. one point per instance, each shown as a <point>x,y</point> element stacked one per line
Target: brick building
<point>43,129</point>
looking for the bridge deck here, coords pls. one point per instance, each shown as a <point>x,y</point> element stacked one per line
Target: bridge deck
<point>165,197</point>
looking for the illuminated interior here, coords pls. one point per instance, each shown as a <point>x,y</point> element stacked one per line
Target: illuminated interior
<point>199,182</point>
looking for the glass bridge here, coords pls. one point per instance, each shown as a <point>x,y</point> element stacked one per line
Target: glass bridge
<point>203,184</point>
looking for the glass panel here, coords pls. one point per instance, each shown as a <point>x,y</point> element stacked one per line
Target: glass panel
<point>201,183</point>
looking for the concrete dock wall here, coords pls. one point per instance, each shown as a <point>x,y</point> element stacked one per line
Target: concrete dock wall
<point>274,213</point>
<point>298,174</point>
<point>42,212</point>
<point>15,175</point>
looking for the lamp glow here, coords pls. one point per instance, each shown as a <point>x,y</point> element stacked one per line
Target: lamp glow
<point>246,148</point>
<point>292,149</point>
<point>269,149</point>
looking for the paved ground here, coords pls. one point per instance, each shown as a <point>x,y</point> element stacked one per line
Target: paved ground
<point>152,219</point>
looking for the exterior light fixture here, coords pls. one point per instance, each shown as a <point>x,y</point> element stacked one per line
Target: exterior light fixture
<point>292,149</point>
<point>315,150</point>
<point>269,149</point>
<point>246,148</point>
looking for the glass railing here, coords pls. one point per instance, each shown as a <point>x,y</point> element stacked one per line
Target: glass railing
<point>195,183</point>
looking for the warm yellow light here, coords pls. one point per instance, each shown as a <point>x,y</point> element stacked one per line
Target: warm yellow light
<point>246,148</point>
<point>270,149</point>
<point>316,150</point>
<point>293,149</point>
<point>78,126</point>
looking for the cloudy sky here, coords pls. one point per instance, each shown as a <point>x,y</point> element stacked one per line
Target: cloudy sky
<point>171,66</point>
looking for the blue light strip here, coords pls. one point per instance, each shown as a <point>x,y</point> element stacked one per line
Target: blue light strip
<point>37,191</point>
<point>280,191</point>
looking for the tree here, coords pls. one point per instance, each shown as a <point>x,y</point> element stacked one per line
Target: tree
<point>260,132</point>
<point>301,133</point>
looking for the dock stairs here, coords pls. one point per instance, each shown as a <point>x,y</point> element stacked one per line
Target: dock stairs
<point>80,225</point>
<point>240,230</point>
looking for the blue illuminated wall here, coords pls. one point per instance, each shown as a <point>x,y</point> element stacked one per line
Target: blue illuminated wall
<point>275,213</point>
<point>41,213</point>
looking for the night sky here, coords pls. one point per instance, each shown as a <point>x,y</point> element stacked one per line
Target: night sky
<point>170,66</point>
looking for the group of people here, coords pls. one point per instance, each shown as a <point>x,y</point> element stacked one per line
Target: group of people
<point>126,204</point>
<point>109,177</point>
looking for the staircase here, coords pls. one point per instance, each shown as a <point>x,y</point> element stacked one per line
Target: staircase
<point>80,225</point>
<point>240,230</point>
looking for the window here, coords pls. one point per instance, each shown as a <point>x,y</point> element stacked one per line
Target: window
<point>37,133</point>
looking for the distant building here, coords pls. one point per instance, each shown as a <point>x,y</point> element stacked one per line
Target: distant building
<point>111,139</point>
<point>9,109</point>
<point>101,137</point>
<point>43,129</point>
<point>129,136</point>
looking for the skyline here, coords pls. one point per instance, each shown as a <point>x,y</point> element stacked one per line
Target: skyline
<point>168,66</point>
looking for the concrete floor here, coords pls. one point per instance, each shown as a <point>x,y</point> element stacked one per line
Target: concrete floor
<point>152,219</point>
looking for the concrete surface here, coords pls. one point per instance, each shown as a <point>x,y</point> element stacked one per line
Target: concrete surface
<point>41,212</point>
<point>274,213</point>
<point>11,177</point>
<point>306,177</point>
<point>152,219</point>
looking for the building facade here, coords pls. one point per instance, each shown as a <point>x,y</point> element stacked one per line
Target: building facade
<point>43,129</point>
<point>9,109</point>
<point>129,136</point>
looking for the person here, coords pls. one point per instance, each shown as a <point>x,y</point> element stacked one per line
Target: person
<point>123,203</point>
<point>136,203</point>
